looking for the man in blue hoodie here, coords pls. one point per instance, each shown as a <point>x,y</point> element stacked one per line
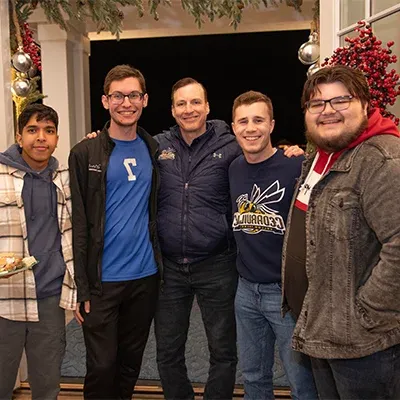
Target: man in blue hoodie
<point>35,220</point>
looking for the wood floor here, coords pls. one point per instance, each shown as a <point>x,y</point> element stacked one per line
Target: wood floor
<point>144,390</point>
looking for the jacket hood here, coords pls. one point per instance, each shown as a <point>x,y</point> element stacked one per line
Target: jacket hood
<point>13,158</point>
<point>377,125</point>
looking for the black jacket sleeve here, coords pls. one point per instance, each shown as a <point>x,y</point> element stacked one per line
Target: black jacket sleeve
<point>78,167</point>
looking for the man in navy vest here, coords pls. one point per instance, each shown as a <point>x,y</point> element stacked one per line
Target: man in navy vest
<point>197,244</point>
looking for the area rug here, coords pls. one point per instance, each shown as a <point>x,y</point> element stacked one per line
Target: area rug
<point>197,355</point>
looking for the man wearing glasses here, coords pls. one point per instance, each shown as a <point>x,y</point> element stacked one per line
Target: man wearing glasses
<point>114,180</point>
<point>341,253</point>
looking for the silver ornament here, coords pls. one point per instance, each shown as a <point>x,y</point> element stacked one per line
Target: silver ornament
<point>21,61</point>
<point>32,71</point>
<point>20,87</point>
<point>309,52</point>
<point>313,69</point>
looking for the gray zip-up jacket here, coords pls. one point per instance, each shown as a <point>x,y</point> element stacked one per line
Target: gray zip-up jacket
<point>352,305</point>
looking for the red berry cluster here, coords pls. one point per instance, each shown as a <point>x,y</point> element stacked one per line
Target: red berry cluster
<point>366,53</point>
<point>30,46</point>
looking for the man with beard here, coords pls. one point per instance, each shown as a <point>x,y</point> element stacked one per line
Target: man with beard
<point>342,249</point>
<point>262,181</point>
<point>114,180</point>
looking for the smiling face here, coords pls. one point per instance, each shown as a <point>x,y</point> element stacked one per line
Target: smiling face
<point>190,110</point>
<point>38,141</point>
<point>126,114</point>
<point>334,130</point>
<point>252,125</point>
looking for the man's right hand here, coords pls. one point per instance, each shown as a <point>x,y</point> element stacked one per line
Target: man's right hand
<point>77,312</point>
<point>91,135</point>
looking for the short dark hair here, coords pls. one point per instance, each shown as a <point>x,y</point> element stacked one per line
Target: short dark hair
<point>185,82</point>
<point>251,97</point>
<point>120,72</point>
<point>41,111</point>
<point>353,79</point>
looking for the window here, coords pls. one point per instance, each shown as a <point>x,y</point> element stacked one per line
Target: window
<point>384,16</point>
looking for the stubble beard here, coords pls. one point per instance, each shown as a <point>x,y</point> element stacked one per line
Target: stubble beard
<point>332,145</point>
<point>123,124</point>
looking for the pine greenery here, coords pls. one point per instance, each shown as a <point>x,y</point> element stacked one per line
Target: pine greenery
<point>108,14</point>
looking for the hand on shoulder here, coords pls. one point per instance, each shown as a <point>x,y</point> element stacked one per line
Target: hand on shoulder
<point>91,135</point>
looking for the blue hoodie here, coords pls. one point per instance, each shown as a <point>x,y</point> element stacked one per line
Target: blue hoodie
<point>40,205</point>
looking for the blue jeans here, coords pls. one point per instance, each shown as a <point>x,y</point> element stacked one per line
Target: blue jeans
<point>374,377</point>
<point>214,283</point>
<point>259,325</point>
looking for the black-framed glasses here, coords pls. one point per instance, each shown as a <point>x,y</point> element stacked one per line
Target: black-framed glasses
<point>118,98</point>
<point>339,103</point>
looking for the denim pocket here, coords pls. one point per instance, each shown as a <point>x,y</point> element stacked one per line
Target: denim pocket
<point>342,218</point>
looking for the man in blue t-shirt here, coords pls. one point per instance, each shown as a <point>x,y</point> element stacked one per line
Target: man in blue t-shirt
<point>114,180</point>
<point>261,182</point>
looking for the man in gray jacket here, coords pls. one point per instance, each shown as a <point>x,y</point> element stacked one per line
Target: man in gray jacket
<point>341,256</point>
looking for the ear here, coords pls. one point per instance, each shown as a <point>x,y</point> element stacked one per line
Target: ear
<point>104,100</point>
<point>208,108</point>
<point>233,128</point>
<point>365,109</point>
<point>19,139</point>
<point>173,111</point>
<point>145,100</point>
<point>272,126</point>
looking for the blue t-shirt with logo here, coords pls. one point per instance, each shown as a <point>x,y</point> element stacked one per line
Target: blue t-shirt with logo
<point>128,253</point>
<point>261,196</point>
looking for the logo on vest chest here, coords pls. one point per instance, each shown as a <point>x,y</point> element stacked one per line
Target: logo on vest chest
<point>167,154</point>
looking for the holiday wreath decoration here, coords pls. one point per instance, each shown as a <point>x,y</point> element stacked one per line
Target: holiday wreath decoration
<point>366,53</point>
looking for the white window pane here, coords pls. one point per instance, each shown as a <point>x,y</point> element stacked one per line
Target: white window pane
<point>386,30</point>
<point>351,34</point>
<point>380,5</point>
<point>351,11</point>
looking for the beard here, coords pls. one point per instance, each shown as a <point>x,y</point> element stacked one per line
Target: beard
<point>334,144</point>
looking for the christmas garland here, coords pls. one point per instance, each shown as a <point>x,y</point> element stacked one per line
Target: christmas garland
<point>25,60</point>
<point>108,14</point>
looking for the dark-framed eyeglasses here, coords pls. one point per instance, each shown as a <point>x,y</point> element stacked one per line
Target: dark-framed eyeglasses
<point>118,98</point>
<point>338,103</point>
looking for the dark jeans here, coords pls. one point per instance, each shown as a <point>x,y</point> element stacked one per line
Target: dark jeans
<point>214,283</point>
<point>374,377</point>
<point>116,332</point>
